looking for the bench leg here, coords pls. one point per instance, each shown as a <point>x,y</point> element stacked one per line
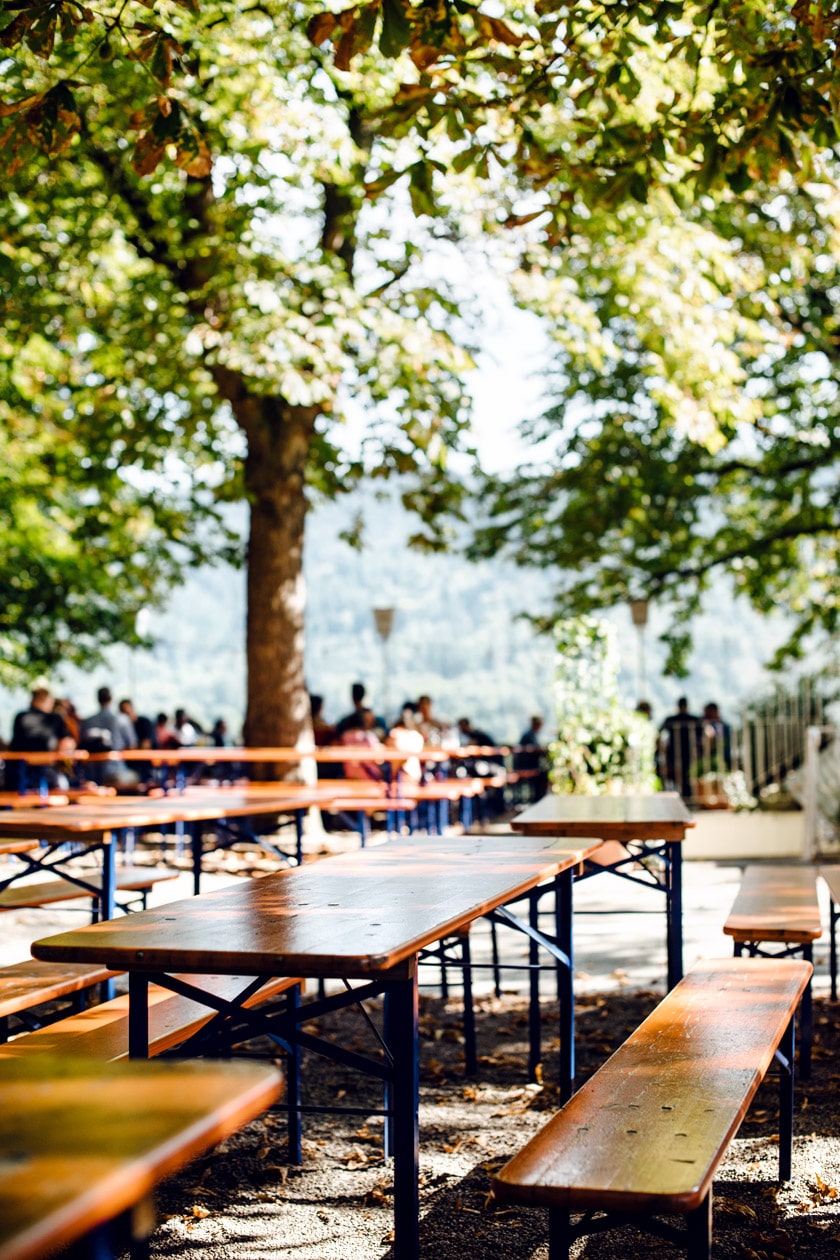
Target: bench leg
<point>698,1226</point>
<point>494,948</point>
<point>832,946</point>
<point>784,1055</point>
<point>560,1236</point>
<point>470,1056</point>
<point>806,1033</point>
<point>293,1075</point>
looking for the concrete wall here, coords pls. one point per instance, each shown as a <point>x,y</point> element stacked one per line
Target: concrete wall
<point>723,833</point>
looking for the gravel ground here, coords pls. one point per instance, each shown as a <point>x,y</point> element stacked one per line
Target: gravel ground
<point>245,1203</point>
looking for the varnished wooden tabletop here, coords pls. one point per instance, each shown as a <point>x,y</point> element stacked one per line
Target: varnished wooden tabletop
<point>114,813</point>
<point>652,816</point>
<point>354,915</point>
<point>82,1141</point>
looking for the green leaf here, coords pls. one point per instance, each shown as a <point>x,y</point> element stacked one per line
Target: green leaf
<point>397,28</point>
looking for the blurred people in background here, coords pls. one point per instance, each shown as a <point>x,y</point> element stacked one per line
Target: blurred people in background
<point>360,734</point>
<point>40,729</point>
<point>350,720</point>
<point>680,746</point>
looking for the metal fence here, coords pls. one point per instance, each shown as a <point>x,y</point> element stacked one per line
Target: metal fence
<point>715,765</point>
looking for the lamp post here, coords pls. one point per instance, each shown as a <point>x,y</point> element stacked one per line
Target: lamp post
<point>639,613</point>
<point>384,621</point>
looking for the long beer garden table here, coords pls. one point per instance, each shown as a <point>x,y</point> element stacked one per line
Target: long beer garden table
<point>96,827</point>
<point>642,825</point>
<point>364,916</point>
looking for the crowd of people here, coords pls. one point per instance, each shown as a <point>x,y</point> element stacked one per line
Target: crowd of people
<point>53,724</point>
<point>416,728</point>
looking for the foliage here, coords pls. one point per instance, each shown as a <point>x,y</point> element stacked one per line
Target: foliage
<point>602,101</point>
<point>695,428</point>
<point>161,330</point>
<point>601,745</point>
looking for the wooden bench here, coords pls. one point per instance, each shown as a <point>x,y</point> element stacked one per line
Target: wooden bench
<point>102,1031</point>
<point>25,986</point>
<point>776,914</point>
<point>46,892</point>
<point>83,1144</point>
<point>831,878</point>
<point>645,1135</point>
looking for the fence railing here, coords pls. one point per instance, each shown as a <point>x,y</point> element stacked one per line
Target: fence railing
<point>821,792</point>
<point>706,760</point>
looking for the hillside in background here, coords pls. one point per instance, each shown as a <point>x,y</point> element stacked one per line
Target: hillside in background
<point>457,636</point>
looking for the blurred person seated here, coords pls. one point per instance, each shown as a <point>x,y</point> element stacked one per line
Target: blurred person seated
<point>40,729</point>
<point>361,735</point>
<point>165,735</point>
<point>103,732</point>
<point>324,732</point>
<point>404,736</point>
<point>474,735</point>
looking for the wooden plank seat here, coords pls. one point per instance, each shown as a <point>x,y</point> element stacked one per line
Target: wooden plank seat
<point>645,1135</point>
<point>26,986</point>
<point>102,1031</point>
<point>83,1144</point>
<point>776,914</point>
<point>46,892</point>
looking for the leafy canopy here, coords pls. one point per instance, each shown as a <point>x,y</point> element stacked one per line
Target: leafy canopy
<point>695,425</point>
<point>158,319</point>
<point>560,94</point>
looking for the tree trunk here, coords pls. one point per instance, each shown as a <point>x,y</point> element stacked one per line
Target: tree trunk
<point>279,438</point>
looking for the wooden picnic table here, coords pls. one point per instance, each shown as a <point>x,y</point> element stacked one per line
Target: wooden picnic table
<point>97,824</point>
<point>363,916</point>
<point>82,1142</point>
<point>636,826</point>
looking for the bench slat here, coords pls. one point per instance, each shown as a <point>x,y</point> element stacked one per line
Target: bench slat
<point>38,893</point>
<point>102,1031</point>
<point>648,1130</point>
<point>29,983</point>
<point>776,903</point>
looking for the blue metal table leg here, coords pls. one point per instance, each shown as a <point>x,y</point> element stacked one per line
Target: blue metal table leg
<point>197,847</point>
<point>299,835</point>
<point>470,1055</point>
<point>108,900</point>
<point>109,874</point>
<point>403,1044</point>
<point>138,1015</point>
<point>534,1020</point>
<point>673,897</point>
<point>832,947</point>
<point>293,1077</point>
<point>563,920</point>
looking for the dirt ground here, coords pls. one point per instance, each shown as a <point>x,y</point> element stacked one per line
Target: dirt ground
<point>244,1203</point>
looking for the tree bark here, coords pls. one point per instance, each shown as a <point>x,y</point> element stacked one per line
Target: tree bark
<point>279,438</point>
